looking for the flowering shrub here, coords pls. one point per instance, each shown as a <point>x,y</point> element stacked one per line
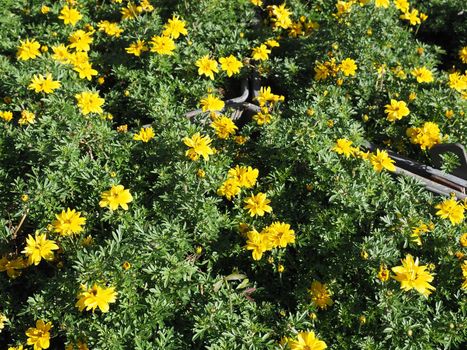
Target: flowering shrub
<point>127,225</point>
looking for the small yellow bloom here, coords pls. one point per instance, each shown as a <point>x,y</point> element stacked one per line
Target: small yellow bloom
<point>174,28</point>
<point>46,84</point>
<point>162,45</point>
<point>344,146</point>
<point>231,65</point>
<point>381,161</point>
<point>115,197</point>
<point>348,67</point>
<point>261,53</point>
<point>396,110</point>
<point>69,222</point>
<point>224,127</point>
<point>423,75</point>
<point>320,295</point>
<point>40,335</point>
<point>28,50</point>
<point>96,297</point>
<point>413,276</point>
<point>27,117</point>
<point>144,135</point>
<point>89,102</point>
<point>38,248</point>
<point>137,48</point>
<point>452,210</point>
<point>383,274</point>
<point>257,205</point>
<point>70,15</point>
<point>126,265</point>
<point>212,103</point>
<point>198,146</point>
<point>207,66</point>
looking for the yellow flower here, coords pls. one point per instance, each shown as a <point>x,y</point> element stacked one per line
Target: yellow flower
<point>245,176</point>
<point>199,146</point>
<point>61,53</point>
<point>261,53</point>
<point>224,127</point>
<point>344,146</point>
<point>280,234</point>
<point>257,2</point>
<point>80,40</point>
<point>129,12</point>
<point>207,66</point>
<point>413,276</point>
<point>272,43</point>
<point>47,84</point>
<point>6,116</point>
<point>230,65</point>
<point>419,230</point>
<point>463,240</point>
<point>39,247</point>
<point>126,265</point>
<point>257,243</point>
<point>320,295</point>
<point>137,48</point>
<point>174,27</point>
<point>96,297</point>
<point>412,17</point>
<point>382,3</point>
<point>307,341</point>
<point>381,161</point>
<point>69,15</point>
<point>257,205</point>
<point>45,9</point>
<point>280,16</point>
<point>69,222</point>
<point>39,336</point>
<point>463,54</point>
<point>426,136</point>
<point>348,67</point>
<point>263,117</point>
<point>383,274</point>
<point>229,189</point>
<point>27,118</point>
<point>115,197</point>
<point>458,81</point>
<point>110,28</point>
<point>85,70</point>
<point>89,102</point>
<point>423,75</point>
<point>28,50</point>
<point>402,5</point>
<point>212,104</point>
<point>265,95</point>
<point>162,45</point>
<point>464,274</point>
<point>13,266</point>
<point>450,209</point>
<point>396,110</point>
<point>144,135</point>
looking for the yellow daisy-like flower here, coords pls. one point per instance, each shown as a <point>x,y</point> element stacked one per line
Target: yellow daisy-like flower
<point>96,297</point>
<point>70,15</point>
<point>28,49</point>
<point>198,146</point>
<point>383,274</point>
<point>174,28</point>
<point>245,176</point>
<point>212,104</point>
<point>163,45</point>
<point>307,341</point>
<point>115,197</point>
<point>320,295</point>
<point>261,53</point>
<point>257,205</point>
<point>207,66</point>
<point>27,117</point>
<point>280,234</point>
<point>463,54</point>
<point>348,67</point>
<point>231,65</point>
<point>39,336</point>
<point>69,222</point>
<point>382,3</point>
<point>144,135</point>
<point>229,189</point>
<point>423,75</point>
<point>110,28</point>
<point>46,84</point>
<point>38,248</point>
<point>7,116</point>
<point>224,127</point>
<point>344,146</point>
<point>257,243</point>
<point>80,40</point>
<point>137,48</point>
<point>89,102</point>
<point>450,209</point>
<point>381,161</point>
<point>396,110</point>
<point>413,276</point>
